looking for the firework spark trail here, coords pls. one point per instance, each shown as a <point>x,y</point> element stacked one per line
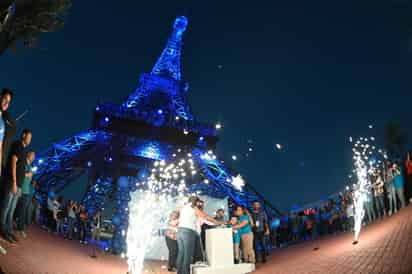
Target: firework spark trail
<point>148,208</point>
<point>366,163</point>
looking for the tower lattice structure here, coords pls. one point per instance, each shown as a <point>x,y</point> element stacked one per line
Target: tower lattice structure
<point>125,139</point>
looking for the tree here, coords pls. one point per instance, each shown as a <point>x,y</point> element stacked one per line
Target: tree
<point>395,139</point>
<point>26,19</point>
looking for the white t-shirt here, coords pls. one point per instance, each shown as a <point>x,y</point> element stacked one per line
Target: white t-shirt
<point>188,218</point>
<point>349,211</point>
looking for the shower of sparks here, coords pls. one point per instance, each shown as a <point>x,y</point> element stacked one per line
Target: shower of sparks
<point>148,208</point>
<point>365,157</point>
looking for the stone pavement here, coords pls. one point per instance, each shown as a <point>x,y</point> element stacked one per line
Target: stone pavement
<point>384,248</point>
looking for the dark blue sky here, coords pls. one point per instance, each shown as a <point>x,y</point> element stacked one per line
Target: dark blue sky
<point>306,74</point>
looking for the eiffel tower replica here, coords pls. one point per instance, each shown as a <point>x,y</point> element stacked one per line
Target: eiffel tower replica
<point>124,141</point>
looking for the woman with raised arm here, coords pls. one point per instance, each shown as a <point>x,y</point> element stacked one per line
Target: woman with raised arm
<point>187,233</point>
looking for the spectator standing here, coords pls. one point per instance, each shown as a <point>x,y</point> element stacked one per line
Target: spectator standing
<point>5,99</point>
<point>236,239</point>
<point>96,230</point>
<point>260,231</point>
<point>244,227</point>
<point>378,191</point>
<point>31,208</point>
<point>15,174</point>
<point>59,215</point>
<point>6,96</point>
<point>398,184</point>
<point>25,194</point>
<point>71,219</point>
<point>370,211</point>
<point>390,188</point>
<point>408,169</point>
<point>171,240</point>
<point>83,224</point>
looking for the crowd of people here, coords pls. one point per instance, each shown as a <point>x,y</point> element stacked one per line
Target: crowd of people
<point>185,236</point>
<point>389,191</point>
<point>71,221</point>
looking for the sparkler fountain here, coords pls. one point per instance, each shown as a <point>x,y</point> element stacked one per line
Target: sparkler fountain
<point>366,161</point>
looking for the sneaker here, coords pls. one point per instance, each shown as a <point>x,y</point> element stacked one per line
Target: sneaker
<point>23,234</point>
<point>3,250</point>
<point>11,235</point>
<point>9,239</point>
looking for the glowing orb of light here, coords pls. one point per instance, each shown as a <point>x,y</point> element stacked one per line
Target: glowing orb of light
<point>218,126</point>
<point>234,157</point>
<point>279,146</point>
<point>238,182</point>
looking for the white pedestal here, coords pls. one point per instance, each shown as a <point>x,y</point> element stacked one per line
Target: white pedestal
<point>219,247</point>
<point>219,251</point>
<point>233,269</point>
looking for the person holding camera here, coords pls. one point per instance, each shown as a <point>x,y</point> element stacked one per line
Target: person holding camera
<point>398,184</point>
<point>390,188</point>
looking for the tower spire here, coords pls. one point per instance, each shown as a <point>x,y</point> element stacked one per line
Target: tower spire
<point>169,63</point>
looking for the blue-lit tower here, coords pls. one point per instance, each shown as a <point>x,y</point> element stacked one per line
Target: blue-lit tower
<point>124,140</point>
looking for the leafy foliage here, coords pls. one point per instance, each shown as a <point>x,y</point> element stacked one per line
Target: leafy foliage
<point>26,19</point>
<point>395,139</point>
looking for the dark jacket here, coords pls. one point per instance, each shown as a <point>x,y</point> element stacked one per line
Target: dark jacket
<point>9,134</point>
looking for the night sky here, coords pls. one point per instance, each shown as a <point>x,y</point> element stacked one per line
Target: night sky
<point>305,74</point>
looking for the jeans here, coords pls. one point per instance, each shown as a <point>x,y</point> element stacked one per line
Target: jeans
<point>82,232</point>
<point>60,226</point>
<point>70,227</point>
<point>370,211</point>
<point>30,211</point>
<point>199,251</point>
<point>259,238</point>
<point>186,239</point>
<point>9,206</point>
<point>391,198</point>
<point>401,196</point>
<point>173,251</point>
<point>380,204</point>
<point>23,211</point>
